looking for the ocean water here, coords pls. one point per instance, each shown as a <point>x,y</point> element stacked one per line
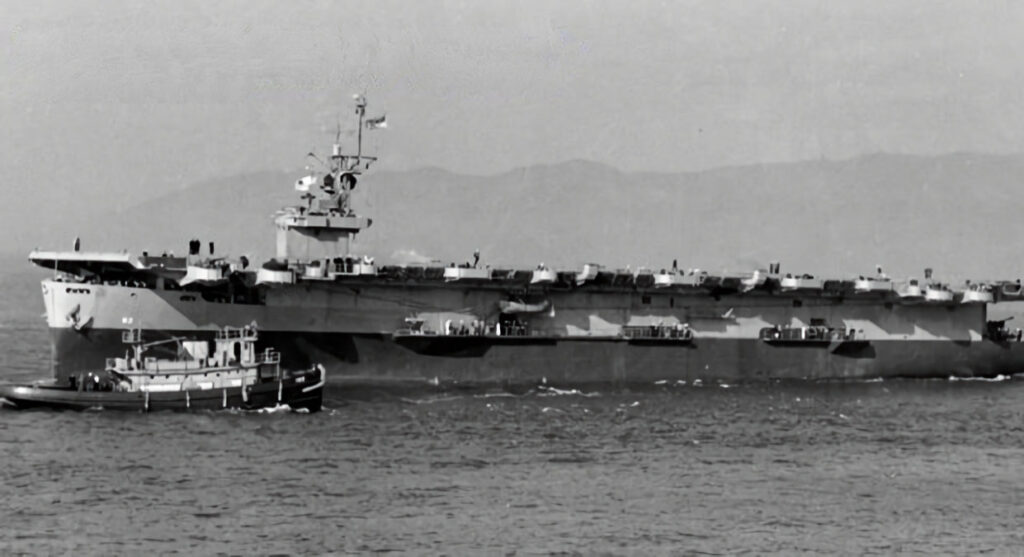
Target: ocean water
<point>929,467</point>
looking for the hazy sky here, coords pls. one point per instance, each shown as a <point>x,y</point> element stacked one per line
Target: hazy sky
<point>110,102</point>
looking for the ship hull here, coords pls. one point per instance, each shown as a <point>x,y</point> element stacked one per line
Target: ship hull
<point>358,332</point>
<point>379,360</point>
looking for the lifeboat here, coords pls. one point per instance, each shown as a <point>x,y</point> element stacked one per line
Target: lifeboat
<point>543,275</point>
<point>872,284</point>
<point>938,293</point>
<point>911,291</point>
<point>978,294</point>
<point>666,279</point>
<point>466,273</point>
<point>315,270</point>
<point>802,282</point>
<point>204,275</point>
<point>272,276</point>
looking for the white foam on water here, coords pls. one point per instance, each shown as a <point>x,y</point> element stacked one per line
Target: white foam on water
<point>430,400</point>
<point>995,379</point>
<point>497,395</point>
<point>276,409</point>
<point>552,391</point>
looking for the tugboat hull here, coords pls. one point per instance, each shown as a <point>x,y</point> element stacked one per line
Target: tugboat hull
<point>306,395</point>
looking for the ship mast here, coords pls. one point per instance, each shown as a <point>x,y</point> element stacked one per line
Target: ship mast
<point>325,228</point>
<point>361,111</point>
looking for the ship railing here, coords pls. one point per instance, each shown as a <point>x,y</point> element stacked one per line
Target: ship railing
<point>657,331</point>
<point>809,333</point>
<point>353,268</point>
<point>233,333</point>
<point>269,356</point>
<point>513,331</point>
<point>131,336</point>
<point>409,332</point>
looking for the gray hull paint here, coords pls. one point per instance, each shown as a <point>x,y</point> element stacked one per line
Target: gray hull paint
<point>373,359</point>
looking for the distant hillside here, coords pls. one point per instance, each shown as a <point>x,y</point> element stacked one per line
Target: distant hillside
<point>958,213</point>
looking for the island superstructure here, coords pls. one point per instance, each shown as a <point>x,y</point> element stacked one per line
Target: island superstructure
<point>476,325</point>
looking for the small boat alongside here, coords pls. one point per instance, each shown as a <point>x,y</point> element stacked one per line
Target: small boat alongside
<point>234,375</point>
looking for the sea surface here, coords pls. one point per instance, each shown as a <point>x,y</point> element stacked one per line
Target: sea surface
<point>927,467</point>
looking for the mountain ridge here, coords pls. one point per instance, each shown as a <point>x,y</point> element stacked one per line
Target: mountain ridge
<point>958,213</point>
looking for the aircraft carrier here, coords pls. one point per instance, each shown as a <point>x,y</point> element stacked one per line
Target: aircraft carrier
<point>473,325</point>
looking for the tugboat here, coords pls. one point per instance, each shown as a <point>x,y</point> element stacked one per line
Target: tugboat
<point>233,376</point>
